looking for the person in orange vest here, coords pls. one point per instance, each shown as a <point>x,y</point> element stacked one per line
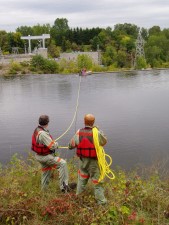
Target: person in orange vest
<point>44,146</point>
<point>88,164</point>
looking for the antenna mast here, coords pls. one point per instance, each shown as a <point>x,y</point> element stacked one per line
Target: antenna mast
<point>139,48</point>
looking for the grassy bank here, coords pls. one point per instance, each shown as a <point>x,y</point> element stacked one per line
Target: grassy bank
<point>40,65</point>
<point>137,197</point>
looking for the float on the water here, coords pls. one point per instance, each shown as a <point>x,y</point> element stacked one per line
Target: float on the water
<point>85,73</point>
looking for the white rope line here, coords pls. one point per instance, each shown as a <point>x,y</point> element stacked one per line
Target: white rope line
<point>74,117</point>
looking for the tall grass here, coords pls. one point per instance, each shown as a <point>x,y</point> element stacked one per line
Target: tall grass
<point>134,198</point>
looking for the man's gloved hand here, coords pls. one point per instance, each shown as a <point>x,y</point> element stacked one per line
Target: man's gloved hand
<point>70,147</point>
<point>56,145</point>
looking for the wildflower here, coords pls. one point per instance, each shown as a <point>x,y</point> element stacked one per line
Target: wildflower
<point>132,216</point>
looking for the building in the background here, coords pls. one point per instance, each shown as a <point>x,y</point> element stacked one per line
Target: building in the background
<point>95,56</point>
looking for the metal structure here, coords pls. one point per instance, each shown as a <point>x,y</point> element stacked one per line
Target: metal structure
<point>15,50</point>
<point>99,55</point>
<point>1,54</point>
<point>139,48</point>
<point>29,38</point>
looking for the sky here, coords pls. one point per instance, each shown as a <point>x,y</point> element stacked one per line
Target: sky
<point>84,14</point>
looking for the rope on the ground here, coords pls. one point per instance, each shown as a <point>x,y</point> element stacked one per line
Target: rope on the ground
<point>104,166</point>
<point>74,117</point>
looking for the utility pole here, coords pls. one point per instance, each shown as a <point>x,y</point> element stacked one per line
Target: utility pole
<point>1,53</point>
<point>99,55</point>
<point>25,48</point>
<point>139,48</point>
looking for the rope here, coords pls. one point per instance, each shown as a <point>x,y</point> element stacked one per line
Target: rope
<point>63,147</point>
<point>74,117</point>
<point>102,162</point>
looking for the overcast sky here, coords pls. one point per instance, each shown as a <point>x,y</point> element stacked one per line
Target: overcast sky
<point>86,13</point>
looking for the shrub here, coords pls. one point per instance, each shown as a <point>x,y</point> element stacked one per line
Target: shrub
<point>15,66</point>
<point>141,63</point>
<point>50,66</point>
<point>42,64</point>
<point>37,61</point>
<point>84,61</point>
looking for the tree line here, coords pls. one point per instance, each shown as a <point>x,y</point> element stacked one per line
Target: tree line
<point>118,45</point>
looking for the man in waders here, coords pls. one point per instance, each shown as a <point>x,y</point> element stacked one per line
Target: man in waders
<point>88,165</point>
<point>44,146</point>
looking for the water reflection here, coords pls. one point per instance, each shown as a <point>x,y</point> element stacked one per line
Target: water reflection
<point>127,74</point>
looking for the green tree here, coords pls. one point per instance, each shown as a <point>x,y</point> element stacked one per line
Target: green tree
<point>58,31</point>
<point>41,29</point>
<point>104,39</point>
<point>155,30</point>
<point>61,25</point>
<point>127,28</point>
<point>144,33</point>
<point>53,50</point>
<point>109,56</point>
<point>127,43</point>
<point>141,63</point>
<point>84,61</point>
<point>157,48</point>
<point>4,41</point>
<point>121,59</point>
<point>25,30</point>
<point>153,55</point>
<point>75,47</point>
<point>14,39</point>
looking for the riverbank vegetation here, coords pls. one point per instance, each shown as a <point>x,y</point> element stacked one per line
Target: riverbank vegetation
<point>117,45</point>
<point>41,65</point>
<point>140,197</point>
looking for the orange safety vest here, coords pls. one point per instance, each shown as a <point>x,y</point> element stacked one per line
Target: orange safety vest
<point>40,149</point>
<point>86,147</point>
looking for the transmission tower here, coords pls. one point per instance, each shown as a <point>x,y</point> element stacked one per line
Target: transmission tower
<point>139,48</point>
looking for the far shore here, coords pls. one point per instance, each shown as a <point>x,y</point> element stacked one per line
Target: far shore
<point>4,71</point>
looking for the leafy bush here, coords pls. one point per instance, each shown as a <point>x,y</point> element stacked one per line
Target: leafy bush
<point>141,63</point>
<point>50,66</point>
<point>98,68</point>
<point>84,61</point>
<point>15,66</point>
<point>46,65</point>
<point>67,67</point>
<point>165,65</point>
<point>37,61</point>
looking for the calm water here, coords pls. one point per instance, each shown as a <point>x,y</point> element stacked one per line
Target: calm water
<point>131,108</point>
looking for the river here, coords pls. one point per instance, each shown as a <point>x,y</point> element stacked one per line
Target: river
<point>131,108</point>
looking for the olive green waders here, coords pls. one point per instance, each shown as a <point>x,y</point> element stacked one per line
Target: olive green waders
<point>50,162</point>
<point>88,168</point>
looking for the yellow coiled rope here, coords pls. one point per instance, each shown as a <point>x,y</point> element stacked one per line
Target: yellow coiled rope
<point>104,166</point>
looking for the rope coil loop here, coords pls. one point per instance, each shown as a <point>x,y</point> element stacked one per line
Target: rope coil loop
<point>104,166</point>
